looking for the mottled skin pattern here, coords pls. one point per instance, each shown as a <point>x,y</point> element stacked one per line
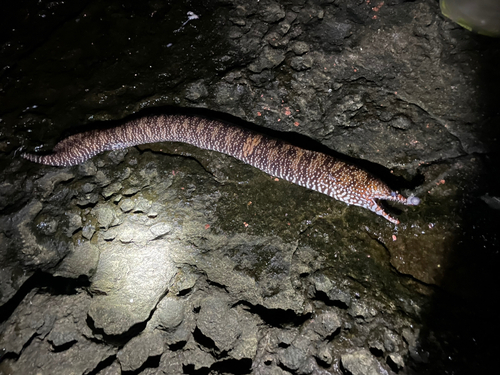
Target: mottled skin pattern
<point>311,169</point>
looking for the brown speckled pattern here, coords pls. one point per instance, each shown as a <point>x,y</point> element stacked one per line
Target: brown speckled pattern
<point>311,169</point>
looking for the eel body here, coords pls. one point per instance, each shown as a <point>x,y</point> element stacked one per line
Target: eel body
<point>313,170</point>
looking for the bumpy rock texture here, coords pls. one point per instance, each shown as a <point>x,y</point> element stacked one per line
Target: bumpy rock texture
<point>168,259</point>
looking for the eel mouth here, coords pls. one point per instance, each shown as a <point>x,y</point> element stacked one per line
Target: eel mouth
<point>413,201</point>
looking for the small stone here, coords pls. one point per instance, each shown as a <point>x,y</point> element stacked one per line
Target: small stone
<point>272,13</point>
<point>111,189</point>
<point>62,335</point>
<point>286,336</point>
<point>196,91</point>
<point>117,156</point>
<point>301,62</point>
<point>87,199</point>
<point>74,223</point>
<point>142,205</point>
<point>324,354</point>
<point>292,357</point>
<point>269,58</point>
<point>126,237</point>
<point>401,122</point>
<point>219,322</point>
<point>87,169</point>
<point>88,187</point>
<point>170,313</point>
<point>88,231</point>
<point>101,179</point>
<point>326,324</point>
<point>105,216</point>
<point>333,293</point>
<point>299,48</point>
<point>47,183</point>
<point>126,173</point>
<point>109,236</point>
<point>359,310</point>
<point>361,362</point>
<point>391,341</point>
<point>283,27</point>
<point>237,21</point>
<point>127,205</point>
<point>137,351</point>
<point>273,38</point>
<point>185,281</point>
<point>322,283</point>
<point>160,229</point>
<point>235,33</point>
<point>47,227</point>
<point>397,360</point>
<point>131,191</point>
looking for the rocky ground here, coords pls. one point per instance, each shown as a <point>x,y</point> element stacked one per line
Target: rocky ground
<point>167,259</point>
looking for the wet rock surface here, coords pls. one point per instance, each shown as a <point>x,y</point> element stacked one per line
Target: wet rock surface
<point>166,259</point>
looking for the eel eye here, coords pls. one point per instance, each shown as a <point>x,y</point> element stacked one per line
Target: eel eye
<point>393,194</point>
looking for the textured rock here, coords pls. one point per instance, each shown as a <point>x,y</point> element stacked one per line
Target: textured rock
<point>81,358</point>
<point>47,183</point>
<point>326,324</point>
<point>105,216</point>
<point>302,62</point>
<point>219,322</point>
<point>160,229</point>
<point>270,58</point>
<point>128,283</point>
<point>169,313</point>
<point>361,362</point>
<point>79,262</point>
<point>139,349</point>
<point>63,335</point>
<point>292,358</point>
<point>58,330</point>
<point>395,85</point>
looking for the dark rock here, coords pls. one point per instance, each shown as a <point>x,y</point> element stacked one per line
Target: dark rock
<point>117,156</point>
<point>77,263</point>
<point>87,169</point>
<point>220,323</point>
<point>301,62</point>
<point>299,48</point>
<point>270,58</point>
<point>169,313</point>
<point>139,349</point>
<point>271,11</point>
<point>196,91</point>
<point>292,358</point>
<point>332,292</point>
<point>47,183</point>
<point>361,310</point>
<point>326,324</point>
<point>109,190</point>
<point>62,336</point>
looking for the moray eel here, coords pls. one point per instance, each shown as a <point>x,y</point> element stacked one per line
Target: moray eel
<point>326,174</point>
